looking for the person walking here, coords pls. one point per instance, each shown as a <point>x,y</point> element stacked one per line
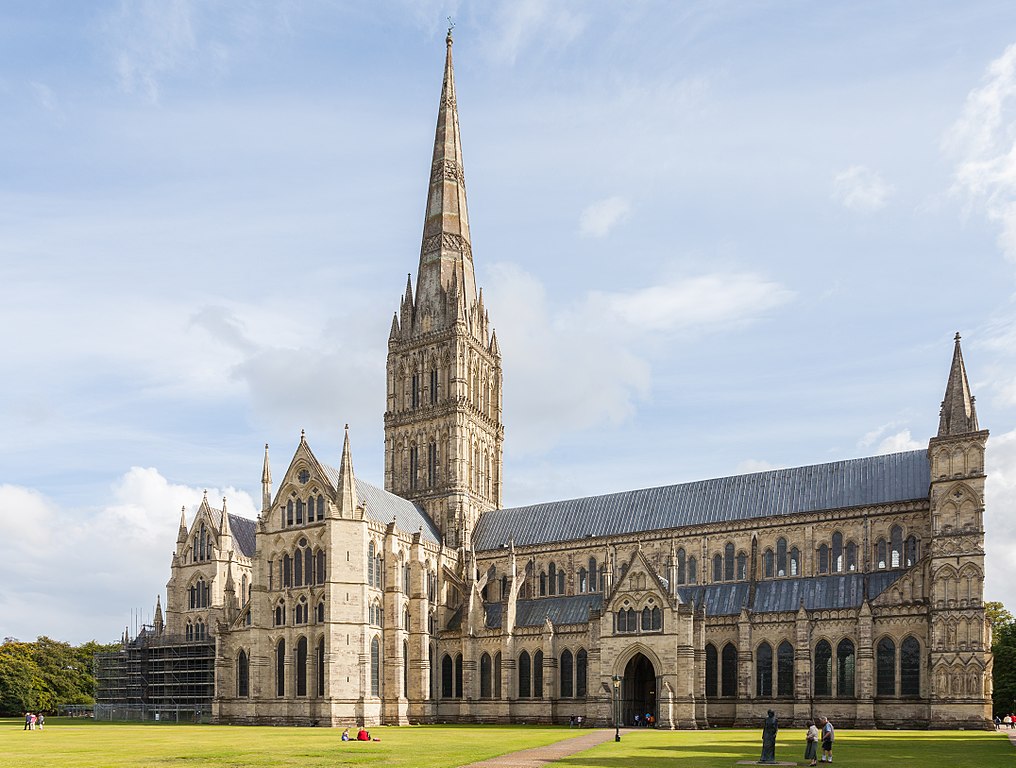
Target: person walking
<point>828,735</point>
<point>811,743</point>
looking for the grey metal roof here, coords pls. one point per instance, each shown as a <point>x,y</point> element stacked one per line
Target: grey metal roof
<point>570,609</point>
<point>771,596</point>
<point>243,533</point>
<point>719,599</point>
<point>851,483</point>
<point>382,506</point>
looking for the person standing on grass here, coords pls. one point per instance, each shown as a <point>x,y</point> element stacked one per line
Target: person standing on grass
<point>811,743</point>
<point>28,721</point>
<point>828,735</point>
<point>40,721</point>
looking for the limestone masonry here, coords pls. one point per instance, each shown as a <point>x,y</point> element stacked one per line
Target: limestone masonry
<point>851,589</point>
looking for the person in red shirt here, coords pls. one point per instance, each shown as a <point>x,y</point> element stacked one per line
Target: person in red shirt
<point>362,735</point>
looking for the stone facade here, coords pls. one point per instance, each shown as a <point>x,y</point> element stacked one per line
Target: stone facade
<point>851,589</point>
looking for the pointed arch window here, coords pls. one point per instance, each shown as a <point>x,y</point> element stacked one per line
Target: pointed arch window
<point>280,614</point>
<point>681,566</point>
<point>823,558</point>
<point>851,556</point>
<point>581,672</point>
<point>768,562</point>
<point>880,554</point>
<point>497,675</point>
<point>717,567</point>
<point>321,612</point>
<point>837,564</point>
<point>321,664</point>
<point>785,669</point>
<point>370,564</point>
<point>845,669</point>
<point>538,675</point>
<point>742,566</point>
<point>728,561</point>
<point>764,671</point>
<point>485,674</point>
<point>583,580</point>
<point>405,668</point>
<point>910,555</point>
<point>299,511</point>
<point>712,670</point>
<point>298,569</point>
<point>885,667</point>
<point>525,675</point>
<point>592,574</point>
<point>781,557</point>
<point>823,669</point>
<point>287,570</point>
<point>289,512</point>
<point>910,667</point>
<point>729,679</point>
<point>320,507</point>
<point>433,386</point>
<point>566,674</point>
<point>280,668</point>
<point>896,539</point>
<point>301,667</point>
<point>320,566</point>
<point>543,583</point>
<point>375,667</point>
<point>692,570</point>
<point>447,677</point>
<point>552,578</point>
<point>458,676</point>
<point>795,562</point>
<point>242,675</point>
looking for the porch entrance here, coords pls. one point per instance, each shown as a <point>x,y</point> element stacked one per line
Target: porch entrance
<point>638,691</point>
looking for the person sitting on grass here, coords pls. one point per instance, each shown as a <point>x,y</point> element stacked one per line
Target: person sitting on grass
<point>345,735</point>
<point>362,734</point>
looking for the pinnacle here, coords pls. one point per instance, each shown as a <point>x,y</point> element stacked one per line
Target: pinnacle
<point>959,414</point>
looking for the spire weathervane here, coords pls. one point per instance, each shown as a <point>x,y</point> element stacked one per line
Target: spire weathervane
<point>451,26</point>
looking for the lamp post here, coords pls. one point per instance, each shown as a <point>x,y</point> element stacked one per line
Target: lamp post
<point>617,707</point>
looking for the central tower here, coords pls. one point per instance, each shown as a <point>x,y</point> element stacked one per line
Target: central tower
<point>443,428</point>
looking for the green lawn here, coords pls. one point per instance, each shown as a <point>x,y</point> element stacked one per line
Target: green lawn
<point>85,744</point>
<point>855,749</point>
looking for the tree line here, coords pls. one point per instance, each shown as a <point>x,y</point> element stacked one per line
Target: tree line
<point>38,676</point>
<point>1003,649</point>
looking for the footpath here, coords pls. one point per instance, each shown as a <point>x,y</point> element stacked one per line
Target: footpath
<point>540,756</point>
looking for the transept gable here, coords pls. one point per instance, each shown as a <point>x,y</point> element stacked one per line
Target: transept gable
<point>639,583</point>
<point>305,474</point>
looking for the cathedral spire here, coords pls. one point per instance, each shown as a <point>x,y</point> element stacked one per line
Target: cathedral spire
<point>347,482</point>
<point>958,415</point>
<point>446,226</point>
<point>266,484</point>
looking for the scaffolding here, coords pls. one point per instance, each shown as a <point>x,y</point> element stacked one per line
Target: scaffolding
<point>157,677</point>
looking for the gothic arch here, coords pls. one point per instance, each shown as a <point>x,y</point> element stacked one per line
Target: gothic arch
<point>622,659</point>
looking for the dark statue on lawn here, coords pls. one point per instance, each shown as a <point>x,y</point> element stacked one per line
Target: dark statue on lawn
<point>769,730</point>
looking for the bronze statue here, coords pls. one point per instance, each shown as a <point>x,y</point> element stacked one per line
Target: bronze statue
<point>769,730</point>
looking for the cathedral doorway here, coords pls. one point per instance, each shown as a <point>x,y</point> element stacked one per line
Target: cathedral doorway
<point>638,692</point>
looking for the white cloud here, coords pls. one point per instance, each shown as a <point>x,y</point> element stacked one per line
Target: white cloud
<point>883,440</point>
<point>521,23</point>
<point>718,299</point>
<point>859,188</point>
<point>599,218</point>
<point>748,466</point>
<point>602,348</point>
<point>999,510</point>
<point>983,141</point>
<point>85,570</point>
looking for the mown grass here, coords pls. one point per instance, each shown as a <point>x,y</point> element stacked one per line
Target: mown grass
<point>854,749</point>
<point>84,744</point>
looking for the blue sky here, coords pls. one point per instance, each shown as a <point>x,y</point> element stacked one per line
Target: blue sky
<point>713,238</point>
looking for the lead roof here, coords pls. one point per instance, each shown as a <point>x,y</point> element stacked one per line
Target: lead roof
<point>841,484</point>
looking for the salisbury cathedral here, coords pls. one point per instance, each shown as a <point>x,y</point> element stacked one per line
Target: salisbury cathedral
<point>851,589</point>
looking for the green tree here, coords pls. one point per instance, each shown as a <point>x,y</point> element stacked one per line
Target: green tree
<point>1003,649</point>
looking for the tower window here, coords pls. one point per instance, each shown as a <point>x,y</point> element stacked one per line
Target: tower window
<point>415,391</point>
<point>414,464</point>
<point>433,385</point>
<point>432,465</point>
